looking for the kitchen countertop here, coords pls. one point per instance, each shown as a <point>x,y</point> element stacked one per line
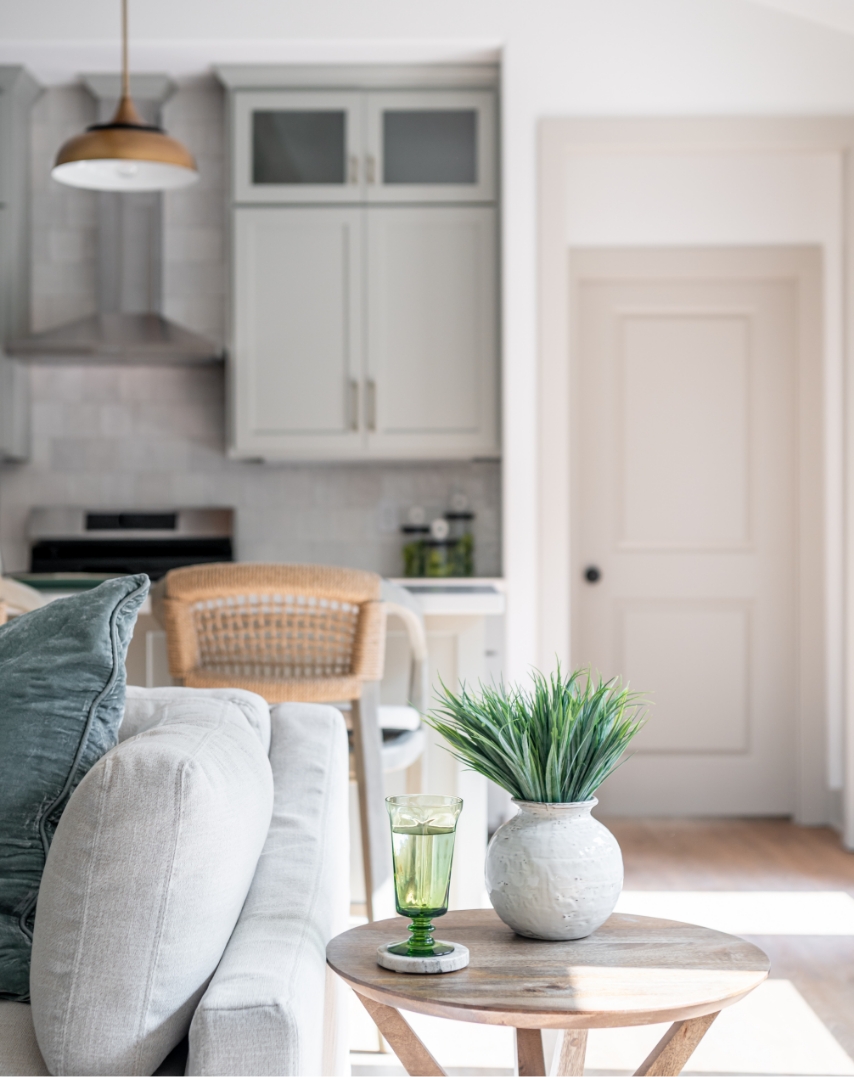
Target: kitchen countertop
<point>475,596</point>
<point>54,585</point>
<point>67,582</point>
<point>471,596</point>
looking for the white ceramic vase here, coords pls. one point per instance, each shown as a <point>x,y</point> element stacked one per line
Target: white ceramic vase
<point>553,871</point>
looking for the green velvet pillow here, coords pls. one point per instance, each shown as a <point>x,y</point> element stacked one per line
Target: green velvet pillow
<point>62,695</point>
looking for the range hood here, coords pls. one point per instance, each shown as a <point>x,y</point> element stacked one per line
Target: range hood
<point>118,337</point>
<point>128,327</point>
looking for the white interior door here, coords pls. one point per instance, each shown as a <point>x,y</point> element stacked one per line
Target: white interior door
<point>685,558</point>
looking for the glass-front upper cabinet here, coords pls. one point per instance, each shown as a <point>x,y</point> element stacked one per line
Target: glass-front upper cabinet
<point>430,146</point>
<point>377,146</point>
<point>298,146</point>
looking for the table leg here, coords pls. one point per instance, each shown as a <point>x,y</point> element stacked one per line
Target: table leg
<point>529,1052</point>
<point>413,1055</point>
<point>569,1053</point>
<point>675,1047</point>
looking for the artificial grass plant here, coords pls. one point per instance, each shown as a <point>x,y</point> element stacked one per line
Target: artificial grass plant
<point>555,743</point>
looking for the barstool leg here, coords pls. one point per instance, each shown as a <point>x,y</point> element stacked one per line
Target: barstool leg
<point>373,818</point>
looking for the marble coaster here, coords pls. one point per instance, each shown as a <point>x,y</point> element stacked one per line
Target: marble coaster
<point>458,958</point>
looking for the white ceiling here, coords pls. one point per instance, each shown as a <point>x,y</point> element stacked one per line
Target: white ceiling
<point>834,14</point>
<point>794,54</point>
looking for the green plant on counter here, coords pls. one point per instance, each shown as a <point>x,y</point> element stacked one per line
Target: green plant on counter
<point>555,743</point>
<point>439,559</point>
<point>413,558</point>
<point>462,556</point>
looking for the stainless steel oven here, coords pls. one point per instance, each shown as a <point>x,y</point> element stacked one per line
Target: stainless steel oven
<point>119,542</point>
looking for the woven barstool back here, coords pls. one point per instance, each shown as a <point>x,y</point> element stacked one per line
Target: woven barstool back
<point>312,633</point>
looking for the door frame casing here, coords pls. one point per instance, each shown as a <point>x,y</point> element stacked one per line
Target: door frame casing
<point>802,268</point>
<point>560,139</point>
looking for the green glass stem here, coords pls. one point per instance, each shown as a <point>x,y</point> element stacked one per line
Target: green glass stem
<point>421,937</point>
<point>421,942</point>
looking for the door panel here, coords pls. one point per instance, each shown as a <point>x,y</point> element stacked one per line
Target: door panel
<point>673,645</point>
<point>298,331</point>
<point>432,362</point>
<point>686,477</point>
<point>684,381</point>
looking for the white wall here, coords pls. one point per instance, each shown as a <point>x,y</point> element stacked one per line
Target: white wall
<point>560,57</point>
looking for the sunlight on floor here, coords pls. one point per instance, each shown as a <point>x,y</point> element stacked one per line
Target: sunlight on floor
<point>773,1031</point>
<point>749,912</point>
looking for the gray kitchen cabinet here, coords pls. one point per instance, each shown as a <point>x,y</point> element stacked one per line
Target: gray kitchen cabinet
<point>297,146</point>
<point>297,332</point>
<point>364,263</point>
<point>18,91</point>
<point>432,146</point>
<point>431,375</point>
<point>364,333</point>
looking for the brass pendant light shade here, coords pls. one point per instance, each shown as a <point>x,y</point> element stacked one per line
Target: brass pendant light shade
<point>126,154</point>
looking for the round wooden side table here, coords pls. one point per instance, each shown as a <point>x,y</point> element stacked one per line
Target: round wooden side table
<point>635,970</point>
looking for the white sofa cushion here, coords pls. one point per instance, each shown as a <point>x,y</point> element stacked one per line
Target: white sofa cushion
<point>145,880</point>
<point>273,1007</point>
<point>148,707</point>
<point>19,1052</point>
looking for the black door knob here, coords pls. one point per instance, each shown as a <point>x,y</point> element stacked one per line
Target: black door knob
<point>592,574</point>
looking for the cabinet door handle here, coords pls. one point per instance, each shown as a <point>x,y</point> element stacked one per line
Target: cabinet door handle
<point>354,169</point>
<point>371,168</point>
<point>371,403</point>
<point>354,404</point>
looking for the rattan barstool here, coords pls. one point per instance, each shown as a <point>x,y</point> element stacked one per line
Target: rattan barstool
<point>293,633</point>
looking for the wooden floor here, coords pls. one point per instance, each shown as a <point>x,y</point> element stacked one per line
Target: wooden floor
<point>765,854</point>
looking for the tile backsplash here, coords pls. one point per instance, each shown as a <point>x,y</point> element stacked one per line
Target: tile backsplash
<point>153,437</point>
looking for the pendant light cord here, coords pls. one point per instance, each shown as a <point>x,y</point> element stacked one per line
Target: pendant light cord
<point>125,75</point>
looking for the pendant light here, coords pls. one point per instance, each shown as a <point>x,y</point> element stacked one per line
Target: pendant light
<point>126,154</point>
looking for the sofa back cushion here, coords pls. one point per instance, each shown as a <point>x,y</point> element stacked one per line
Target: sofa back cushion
<point>145,880</point>
<point>147,707</point>
<point>62,690</point>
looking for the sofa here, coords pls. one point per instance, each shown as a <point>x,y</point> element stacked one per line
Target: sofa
<point>271,1006</point>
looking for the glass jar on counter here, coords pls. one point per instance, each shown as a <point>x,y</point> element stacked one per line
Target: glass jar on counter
<point>444,549</point>
<point>461,536</point>
<point>439,558</point>
<point>415,549</point>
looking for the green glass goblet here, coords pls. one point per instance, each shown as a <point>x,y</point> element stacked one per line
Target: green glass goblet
<point>422,839</point>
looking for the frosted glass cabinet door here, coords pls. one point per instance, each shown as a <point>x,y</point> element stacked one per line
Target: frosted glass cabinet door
<point>432,146</point>
<point>432,362</point>
<point>294,146</point>
<point>297,334</point>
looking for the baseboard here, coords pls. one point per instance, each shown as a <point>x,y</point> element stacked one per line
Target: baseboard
<point>835,810</point>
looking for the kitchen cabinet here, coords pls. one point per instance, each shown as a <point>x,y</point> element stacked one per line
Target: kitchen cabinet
<point>297,147</point>
<point>365,333</point>
<point>431,374</point>
<point>430,147</point>
<point>326,146</point>
<point>298,374</point>
<point>364,265</point>
<point>18,91</point>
